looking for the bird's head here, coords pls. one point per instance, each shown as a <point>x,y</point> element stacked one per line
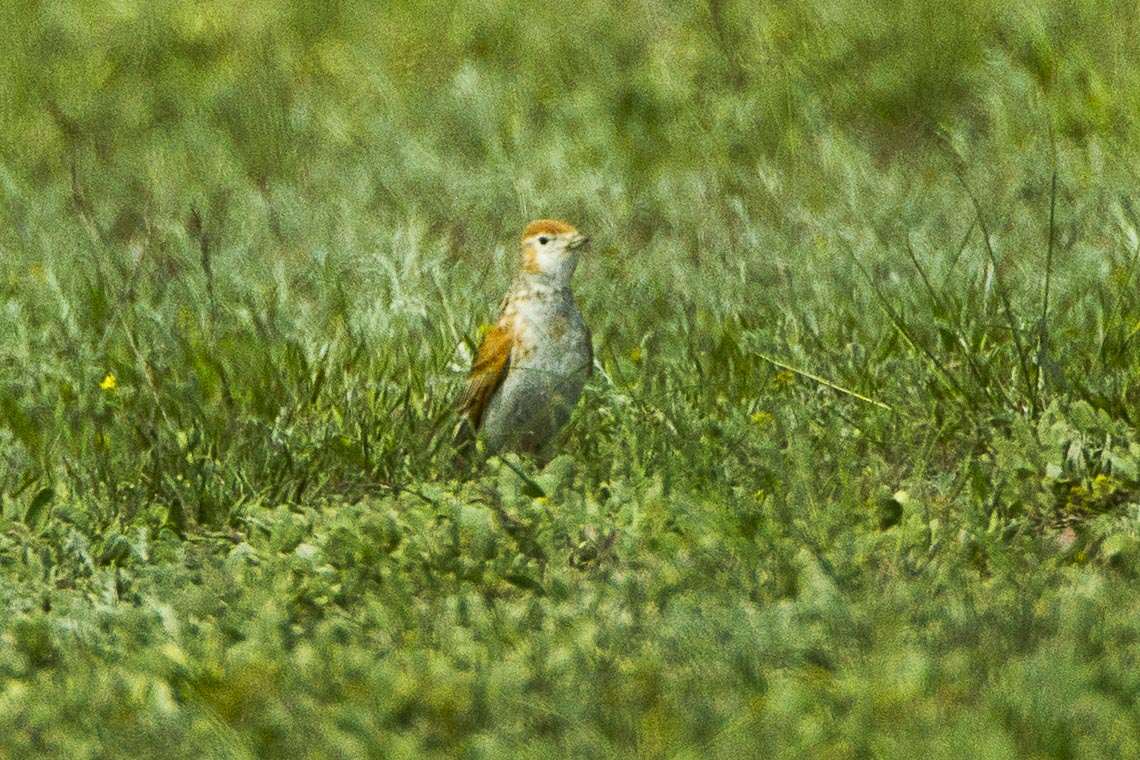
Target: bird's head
<point>550,248</point>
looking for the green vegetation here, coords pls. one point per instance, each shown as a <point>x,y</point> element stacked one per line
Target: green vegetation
<point>858,476</point>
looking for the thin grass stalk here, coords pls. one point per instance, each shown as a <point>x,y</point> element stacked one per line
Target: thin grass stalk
<point>1003,294</point>
<point>1043,327</point>
<point>974,368</point>
<point>962,245</point>
<point>900,325</point>
<point>824,381</point>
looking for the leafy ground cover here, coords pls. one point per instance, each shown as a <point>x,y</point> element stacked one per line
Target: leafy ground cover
<point>858,473</point>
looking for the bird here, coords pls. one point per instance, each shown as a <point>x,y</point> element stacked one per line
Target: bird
<point>533,363</point>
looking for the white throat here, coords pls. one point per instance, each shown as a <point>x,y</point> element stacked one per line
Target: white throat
<point>556,267</point>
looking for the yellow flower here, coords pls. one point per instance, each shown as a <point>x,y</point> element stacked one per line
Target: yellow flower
<point>108,383</point>
<point>762,418</point>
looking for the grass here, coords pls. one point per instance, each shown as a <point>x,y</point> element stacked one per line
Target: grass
<point>858,473</point>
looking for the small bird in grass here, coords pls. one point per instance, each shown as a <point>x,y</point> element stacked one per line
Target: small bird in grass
<point>530,369</point>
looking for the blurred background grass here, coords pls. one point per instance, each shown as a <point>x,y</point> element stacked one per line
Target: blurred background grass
<point>239,247</point>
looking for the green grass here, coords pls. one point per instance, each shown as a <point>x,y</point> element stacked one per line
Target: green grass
<point>858,474</point>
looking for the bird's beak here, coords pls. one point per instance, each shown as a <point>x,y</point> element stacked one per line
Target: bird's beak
<point>578,241</point>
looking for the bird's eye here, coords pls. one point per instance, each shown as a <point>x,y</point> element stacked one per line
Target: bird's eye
<point>543,240</point>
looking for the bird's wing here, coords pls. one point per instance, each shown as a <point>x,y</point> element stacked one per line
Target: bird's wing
<point>487,372</point>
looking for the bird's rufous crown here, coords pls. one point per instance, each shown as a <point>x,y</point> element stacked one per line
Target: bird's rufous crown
<point>548,226</point>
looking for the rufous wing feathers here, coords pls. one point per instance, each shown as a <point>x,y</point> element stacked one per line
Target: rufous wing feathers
<point>492,361</point>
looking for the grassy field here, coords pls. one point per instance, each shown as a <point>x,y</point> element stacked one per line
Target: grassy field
<point>857,474</point>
